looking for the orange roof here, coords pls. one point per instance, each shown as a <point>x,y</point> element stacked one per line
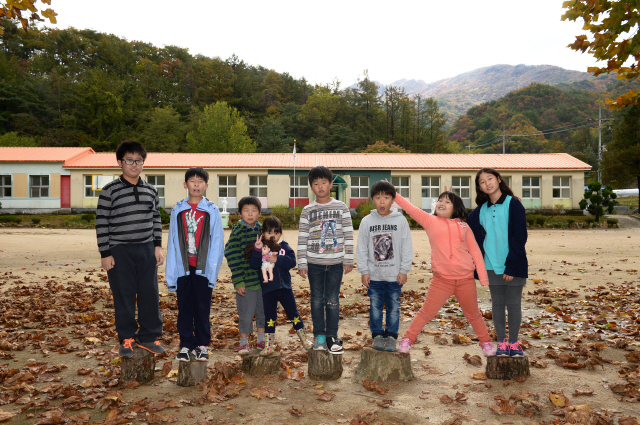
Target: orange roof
<point>345,161</point>
<point>23,154</point>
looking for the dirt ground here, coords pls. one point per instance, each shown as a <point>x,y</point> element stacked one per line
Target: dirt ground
<point>583,291</point>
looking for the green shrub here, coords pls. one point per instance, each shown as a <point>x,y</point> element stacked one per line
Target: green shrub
<point>364,208</point>
<point>35,220</point>
<point>164,216</point>
<point>540,221</point>
<point>612,222</point>
<point>570,222</point>
<point>10,219</point>
<point>531,220</point>
<point>356,223</point>
<point>290,217</point>
<point>589,220</point>
<point>88,217</point>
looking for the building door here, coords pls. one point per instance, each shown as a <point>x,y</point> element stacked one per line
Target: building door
<point>334,192</point>
<point>65,191</point>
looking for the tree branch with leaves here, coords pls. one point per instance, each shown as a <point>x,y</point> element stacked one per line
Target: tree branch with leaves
<point>19,10</point>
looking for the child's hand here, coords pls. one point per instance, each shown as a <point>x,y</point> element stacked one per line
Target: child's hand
<point>366,279</point>
<point>346,269</point>
<point>272,258</point>
<point>507,278</point>
<point>258,244</point>
<point>159,256</point>
<point>108,263</point>
<point>402,279</point>
<point>241,291</point>
<point>303,273</point>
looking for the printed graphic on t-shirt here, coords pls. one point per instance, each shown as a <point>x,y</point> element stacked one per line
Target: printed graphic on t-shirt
<point>323,234</point>
<point>192,226</point>
<point>383,246</point>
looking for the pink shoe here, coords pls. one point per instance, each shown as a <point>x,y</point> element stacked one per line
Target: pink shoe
<point>404,346</point>
<point>260,345</point>
<point>321,250</point>
<point>243,349</point>
<point>488,349</point>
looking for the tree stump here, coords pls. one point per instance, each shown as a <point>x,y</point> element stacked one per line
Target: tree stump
<point>140,367</point>
<point>384,366</point>
<point>507,367</point>
<point>191,372</point>
<point>324,366</point>
<point>256,365</point>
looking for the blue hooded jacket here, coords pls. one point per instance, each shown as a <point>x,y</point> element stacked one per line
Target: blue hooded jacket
<point>210,248</point>
<point>286,260</point>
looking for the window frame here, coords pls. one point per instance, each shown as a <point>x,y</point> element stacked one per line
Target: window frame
<point>430,187</point>
<point>228,186</point>
<point>40,186</point>
<point>4,186</point>
<point>560,187</point>
<point>460,187</point>
<point>360,187</point>
<point>296,185</point>
<point>405,191</point>
<point>163,186</point>
<point>531,187</point>
<point>95,193</point>
<point>259,186</point>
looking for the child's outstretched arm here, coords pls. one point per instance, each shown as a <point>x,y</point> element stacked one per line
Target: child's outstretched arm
<point>476,254</point>
<point>423,218</point>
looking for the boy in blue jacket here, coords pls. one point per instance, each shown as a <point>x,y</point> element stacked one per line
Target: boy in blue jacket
<point>194,257</point>
<point>279,289</point>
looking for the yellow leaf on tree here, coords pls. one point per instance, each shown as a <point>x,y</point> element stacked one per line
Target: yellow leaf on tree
<point>49,13</point>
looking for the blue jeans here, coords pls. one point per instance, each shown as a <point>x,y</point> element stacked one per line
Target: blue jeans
<point>324,282</point>
<point>325,228</point>
<point>384,295</point>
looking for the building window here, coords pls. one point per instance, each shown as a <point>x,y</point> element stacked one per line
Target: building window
<point>359,186</point>
<point>258,186</point>
<point>562,187</point>
<point>158,183</point>
<point>460,185</point>
<point>227,187</point>
<point>5,186</point>
<point>88,187</point>
<point>402,185</point>
<point>507,180</point>
<point>39,186</point>
<point>530,187</point>
<point>298,187</point>
<point>430,187</point>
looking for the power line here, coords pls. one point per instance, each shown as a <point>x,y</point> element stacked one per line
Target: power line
<point>570,127</point>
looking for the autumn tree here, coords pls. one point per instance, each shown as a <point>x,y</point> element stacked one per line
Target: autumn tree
<point>221,130</point>
<point>26,12</point>
<point>616,40</point>
<point>382,147</point>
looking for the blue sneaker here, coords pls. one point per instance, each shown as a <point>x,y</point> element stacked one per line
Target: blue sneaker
<point>320,344</point>
<point>515,350</point>
<point>503,349</point>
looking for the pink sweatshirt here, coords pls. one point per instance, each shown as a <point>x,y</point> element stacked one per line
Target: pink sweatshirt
<point>454,251</point>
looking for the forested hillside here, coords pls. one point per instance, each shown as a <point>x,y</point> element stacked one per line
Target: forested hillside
<point>83,88</point>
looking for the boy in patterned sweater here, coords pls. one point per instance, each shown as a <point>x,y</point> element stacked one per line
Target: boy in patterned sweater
<point>324,263</point>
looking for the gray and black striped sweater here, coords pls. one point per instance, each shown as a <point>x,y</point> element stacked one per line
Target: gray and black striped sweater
<point>127,213</point>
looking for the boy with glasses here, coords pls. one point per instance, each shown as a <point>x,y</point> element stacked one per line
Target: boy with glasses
<point>129,234</point>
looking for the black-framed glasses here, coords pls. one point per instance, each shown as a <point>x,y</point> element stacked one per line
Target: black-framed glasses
<point>133,161</point>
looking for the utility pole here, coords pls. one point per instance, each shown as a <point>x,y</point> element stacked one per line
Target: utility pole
<point>599,144</point>
<point>503,136</point>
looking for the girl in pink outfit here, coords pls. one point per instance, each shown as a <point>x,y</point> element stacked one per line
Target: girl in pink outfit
<point>455,255</point>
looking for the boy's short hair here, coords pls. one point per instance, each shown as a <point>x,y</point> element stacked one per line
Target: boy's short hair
<point>383,187</point>
<point>320,172</point>
<point>249,200</point>
<point>130,147</point>
<point>196,171</point>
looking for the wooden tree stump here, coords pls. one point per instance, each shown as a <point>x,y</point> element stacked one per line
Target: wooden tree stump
<point>140,367</point>
<point>323,365</point>
<point>507,367</point>
<point>256,365</point>
<point>384,366</point>
<point>191,372</point>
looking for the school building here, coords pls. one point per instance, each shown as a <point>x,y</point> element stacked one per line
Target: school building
<point>45,179</point>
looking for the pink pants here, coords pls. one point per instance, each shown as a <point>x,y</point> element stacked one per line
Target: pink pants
<point>439,292</point>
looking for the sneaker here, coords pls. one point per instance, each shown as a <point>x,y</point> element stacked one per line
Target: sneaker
<point>320,344</point>
<point>183,355</point>
<point>335,345</point>
<point>243,349</point>
<point>503,349</point>
<point>153,347</point>
<point>515,350</point>
<point>321,250</point>
<point>335,249</point>
<point>378,343</point>
<point>260,345</point>
<point>126,348</point>
<point>488,349</point>
<point>201,353</point>
<point>404,346</point>
<point>390,344</point>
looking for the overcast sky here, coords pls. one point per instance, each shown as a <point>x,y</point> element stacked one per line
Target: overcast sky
<point>324,40</point>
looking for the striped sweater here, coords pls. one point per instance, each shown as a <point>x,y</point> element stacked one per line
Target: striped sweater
<point>242,275</point>
<point>326,235</point>
<point>128,214</point>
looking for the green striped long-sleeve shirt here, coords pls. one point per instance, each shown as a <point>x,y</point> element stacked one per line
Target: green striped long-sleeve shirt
<point>242,275</point>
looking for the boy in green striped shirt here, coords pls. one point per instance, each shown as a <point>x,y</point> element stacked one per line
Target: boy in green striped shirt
<point>246,280</point>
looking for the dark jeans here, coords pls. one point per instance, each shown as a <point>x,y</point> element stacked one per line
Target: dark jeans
<point>510,298</point>
<point>325,282</point>
<point>194,308</point>
<point>288,301</point>
<point>384,295</point>
<point>135,278</point>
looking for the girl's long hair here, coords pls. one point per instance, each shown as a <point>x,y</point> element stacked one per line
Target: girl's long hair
<point>459,210</point>
<point>482,197</point>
